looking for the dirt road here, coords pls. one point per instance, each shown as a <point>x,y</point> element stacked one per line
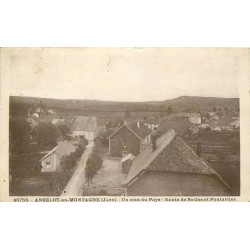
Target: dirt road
<point>74,186</point>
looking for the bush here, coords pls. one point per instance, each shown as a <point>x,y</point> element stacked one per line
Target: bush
<point>94,163</point>
<point>68,162</point>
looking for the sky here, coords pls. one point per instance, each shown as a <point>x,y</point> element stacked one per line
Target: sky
<point>124,74</point>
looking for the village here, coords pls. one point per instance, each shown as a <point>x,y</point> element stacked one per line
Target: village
<point>175,152</point>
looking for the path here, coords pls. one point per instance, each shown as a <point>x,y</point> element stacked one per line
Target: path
<point>74,186</point>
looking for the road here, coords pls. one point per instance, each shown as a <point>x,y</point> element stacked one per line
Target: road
<point>74,186</point>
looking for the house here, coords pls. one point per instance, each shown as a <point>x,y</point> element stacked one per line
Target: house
<point>194,129</point>
<point>180,127</point>
<point>172,168</point>
<point>35,115</point>
<point>102,125</point>
<point>204,126</point>
<point>193,118</point>
<point>59,121</point>
<point>211,113</point>
<point>128,138</point>
<point>126,162</point>
<point>214,118</point>
<point>51,161</point>
<point>217,129</point>
<point>153,123</point>
<point>235,124</point>
<point>84,126</point>
<point>32,122</point>
<point>51,111</point>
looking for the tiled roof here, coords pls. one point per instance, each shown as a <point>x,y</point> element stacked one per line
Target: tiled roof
<point>142,161</point>
<point>179,126</point>
<point>102,121</point>
<point>171,154</point>
<point>62,149</point>
<point>141,132</point>
<point>84,123</point>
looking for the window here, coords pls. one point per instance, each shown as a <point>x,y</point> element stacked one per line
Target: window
<point>48,164</point>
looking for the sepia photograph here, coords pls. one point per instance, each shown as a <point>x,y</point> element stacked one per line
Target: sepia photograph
<point>142,122</point>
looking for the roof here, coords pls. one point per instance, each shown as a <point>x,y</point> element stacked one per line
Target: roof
<point>141,132</point>
<point>180,127</point>
<point>235,123</point>
<point>62,149</point>
<point>177,157</point>
<point>211,113</point>
<point>102,121</point>
<point>183,114</point>
<point>142,161</point>
<point>193,126</point>
<point>32,122</point>
<point>128,157</point>
<point>154,120</point>
<point>84,123</point>
<point>58,121</point>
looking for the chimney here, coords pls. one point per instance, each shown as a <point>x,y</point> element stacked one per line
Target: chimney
<point>198,148</point>
<point>153,141</point>
<point>28,112</point>
<point>138,124</point>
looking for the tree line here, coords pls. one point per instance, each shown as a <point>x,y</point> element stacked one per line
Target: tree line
<point>43,137</point>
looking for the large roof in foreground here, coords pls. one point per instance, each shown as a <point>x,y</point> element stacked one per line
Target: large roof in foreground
<point>171,154</point>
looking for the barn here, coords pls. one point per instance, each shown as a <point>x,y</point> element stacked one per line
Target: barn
<point>171,168</point>
<point>128,139</point>
<point>84,126</point>
<point>51,161</point>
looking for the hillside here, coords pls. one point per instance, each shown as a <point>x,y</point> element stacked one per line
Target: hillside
<point>183,103</point>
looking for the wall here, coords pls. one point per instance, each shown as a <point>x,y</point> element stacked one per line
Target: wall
<point>158,183</point>
<point>53,163</point>
<point>116,142</point>
<point>126,166</point>
<point>195,120</point>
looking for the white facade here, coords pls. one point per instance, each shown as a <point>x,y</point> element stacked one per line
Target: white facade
<point>50,163</point>
<point>90,136</point>
<point>195,119</point>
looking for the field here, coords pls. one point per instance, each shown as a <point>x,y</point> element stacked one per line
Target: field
<point>27,180</point>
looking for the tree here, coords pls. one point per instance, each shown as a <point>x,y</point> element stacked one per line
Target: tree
<point>63,129</point>
<point>90,170</point>
<point>46,135</point>
<point>127,113</point>
<point>20,132</point>
<point>169,110</point>
<point>94,163</point>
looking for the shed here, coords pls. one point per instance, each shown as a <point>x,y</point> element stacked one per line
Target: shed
<point>127,162</point>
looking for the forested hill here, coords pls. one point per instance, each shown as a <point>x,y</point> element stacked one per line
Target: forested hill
<point>188,103</point>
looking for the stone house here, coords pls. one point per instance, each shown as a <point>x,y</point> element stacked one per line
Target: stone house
<point>128,138</point>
